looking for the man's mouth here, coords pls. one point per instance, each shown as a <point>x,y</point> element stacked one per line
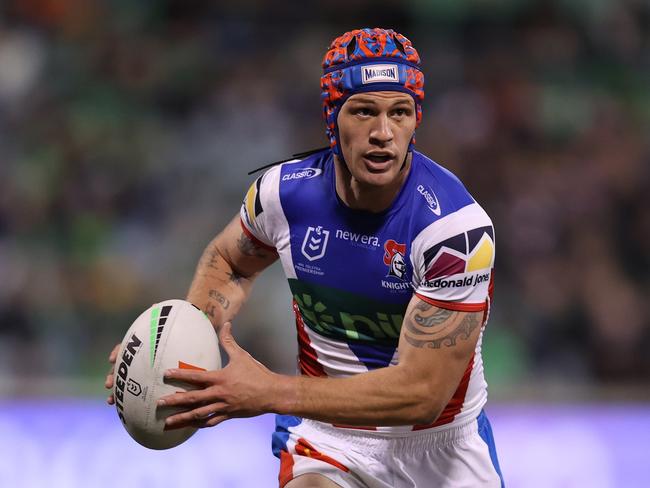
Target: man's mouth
<point>378,157</point>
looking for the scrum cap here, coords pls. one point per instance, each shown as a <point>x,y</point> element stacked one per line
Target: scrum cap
<point>366,60</point>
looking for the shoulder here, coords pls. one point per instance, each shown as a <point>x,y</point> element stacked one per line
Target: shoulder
<point>303,173</point>
<point>295,173</point>
<point>284,182</point>
<point>446,214</point>
<point>440,200</point>
<point>440,189</point>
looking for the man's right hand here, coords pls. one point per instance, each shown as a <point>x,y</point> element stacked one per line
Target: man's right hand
<point>112,357</point>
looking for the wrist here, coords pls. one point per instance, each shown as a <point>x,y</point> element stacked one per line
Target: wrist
<point>284,394</point>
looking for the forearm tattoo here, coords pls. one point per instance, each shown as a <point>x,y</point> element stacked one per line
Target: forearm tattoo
<point>433,327</point>
<point>211,258</point>
<point>210,309</point>
<point>235,277</point>
<point>220,298</point>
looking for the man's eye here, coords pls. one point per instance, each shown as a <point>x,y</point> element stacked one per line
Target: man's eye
<point>401,112</point>
<point>363,111</point>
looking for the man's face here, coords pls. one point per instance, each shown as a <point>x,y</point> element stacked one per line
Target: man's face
<point>375,129</point>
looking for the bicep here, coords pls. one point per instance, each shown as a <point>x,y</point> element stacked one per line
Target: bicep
<point>437,344</point>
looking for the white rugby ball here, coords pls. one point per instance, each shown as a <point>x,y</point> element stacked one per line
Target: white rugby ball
<point>170,334</point>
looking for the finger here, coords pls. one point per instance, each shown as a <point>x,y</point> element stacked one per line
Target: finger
<point>214,420</point>
<point>187,399</point>
<point>112,357</point>
<point>110,400</point>
<point>193,376</point>
<point>108,383</point>
<point>193,417</point>
<point>199,424</point>
<point>226,339</point>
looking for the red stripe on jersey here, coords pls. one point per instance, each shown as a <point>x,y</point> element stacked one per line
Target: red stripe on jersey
<point>255,240</point>
<point>307,356</point>
<point>304,448</point>
<point>488,301</point>
<point>308,360</point>
<point>456,307</point>
<point>455,405</point>
<point>358,427</point>
<point>491,286</point>
<point>286,468</point>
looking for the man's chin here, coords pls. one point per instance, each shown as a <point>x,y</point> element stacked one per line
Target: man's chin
<point>377,179</point>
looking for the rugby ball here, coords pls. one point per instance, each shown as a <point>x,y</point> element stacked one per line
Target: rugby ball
<point>169,334</point>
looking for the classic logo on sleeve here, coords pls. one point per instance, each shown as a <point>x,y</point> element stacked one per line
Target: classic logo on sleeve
<point>301,173</point>
<point>462,260</point>
<point>432,200</point>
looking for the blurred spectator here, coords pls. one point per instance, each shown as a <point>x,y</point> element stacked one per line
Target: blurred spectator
<point>127,129</point>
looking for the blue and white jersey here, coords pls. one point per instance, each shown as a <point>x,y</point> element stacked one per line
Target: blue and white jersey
<point>352,273</point>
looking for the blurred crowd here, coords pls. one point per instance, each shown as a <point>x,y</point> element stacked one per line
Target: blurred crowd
<point>127,130</point>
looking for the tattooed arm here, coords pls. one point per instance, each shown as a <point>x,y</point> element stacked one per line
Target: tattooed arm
<point>435,348</point>
<point>226,271</point>
<point>222,280</point>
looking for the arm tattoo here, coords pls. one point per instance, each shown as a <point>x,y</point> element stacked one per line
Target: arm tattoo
<point>438,327</point>
<point>235,277</point>
<point>210,309</point>
<point>212,258</point>
<point>247,247</point>
<point>219,297</point>
<point>439,315</point>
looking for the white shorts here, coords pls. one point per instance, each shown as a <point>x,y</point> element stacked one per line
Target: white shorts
<point>462,456</point>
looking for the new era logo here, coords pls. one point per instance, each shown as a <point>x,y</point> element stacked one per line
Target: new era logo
<point>377,73</point>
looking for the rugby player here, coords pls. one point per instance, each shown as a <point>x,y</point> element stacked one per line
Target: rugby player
<point>389,260</point>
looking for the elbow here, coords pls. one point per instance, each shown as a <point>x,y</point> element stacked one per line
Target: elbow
<point>427,407</point>
<point>426,414</point>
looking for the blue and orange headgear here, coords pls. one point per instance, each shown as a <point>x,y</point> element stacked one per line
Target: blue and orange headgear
<point>366,60</point>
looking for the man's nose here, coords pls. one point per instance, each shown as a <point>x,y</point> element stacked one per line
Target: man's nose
<point>381,132</point>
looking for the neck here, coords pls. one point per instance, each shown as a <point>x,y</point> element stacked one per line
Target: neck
<point>371,198</point>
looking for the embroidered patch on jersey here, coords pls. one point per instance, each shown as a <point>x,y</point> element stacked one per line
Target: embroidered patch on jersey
<point>315,243</point>
<point>463,253</point>
<point>394,258</point>
<point>252,202</point>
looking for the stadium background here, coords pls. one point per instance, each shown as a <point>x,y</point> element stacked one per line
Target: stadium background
<point>126,132</point>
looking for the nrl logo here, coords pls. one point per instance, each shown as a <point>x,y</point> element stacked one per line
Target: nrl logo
<point>315,243</point>
<point>133,387</point>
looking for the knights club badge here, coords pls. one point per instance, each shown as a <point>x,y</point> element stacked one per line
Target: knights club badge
<point>315,243</point>
<point>394,258</point>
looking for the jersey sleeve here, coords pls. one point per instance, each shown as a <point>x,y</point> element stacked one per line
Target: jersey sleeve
<point>258,208</point>
<point>453,261</point>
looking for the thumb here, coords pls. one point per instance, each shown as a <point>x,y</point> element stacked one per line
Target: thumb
<point>226,339</point>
